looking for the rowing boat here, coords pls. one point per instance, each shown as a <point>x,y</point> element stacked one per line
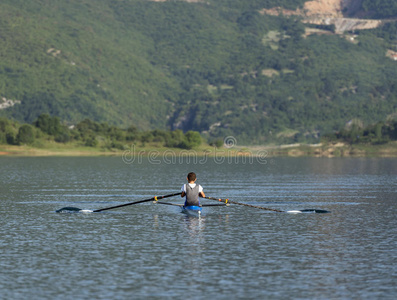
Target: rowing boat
<point>192,210</point>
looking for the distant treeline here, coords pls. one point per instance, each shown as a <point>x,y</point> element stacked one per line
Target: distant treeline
<point>91,134</point>
<point>355,133</point>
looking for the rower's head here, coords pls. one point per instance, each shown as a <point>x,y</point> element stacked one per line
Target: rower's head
<point>191,177</point>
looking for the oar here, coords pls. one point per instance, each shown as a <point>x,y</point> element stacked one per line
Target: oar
<point>265,208</point>
<point>226,201</point>
<point>136,202</point>
<point>167,203</point>
<point>215,204</point>
<point>66,209</point>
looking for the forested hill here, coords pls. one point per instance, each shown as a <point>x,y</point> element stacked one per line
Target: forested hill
<point>221,67</point>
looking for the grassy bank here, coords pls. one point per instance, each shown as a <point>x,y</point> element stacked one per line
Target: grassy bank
<point>149,149</point>
<point>154,149</point>
<point>335,150</point>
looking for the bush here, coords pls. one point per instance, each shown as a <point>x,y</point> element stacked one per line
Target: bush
<point>25,134</point>
<point>192,140</point>
<point>4,123</point>
<point>118,145</point>
<point>10,138</point>
<point>91,142</point>
<point>3,139</point>
<point>49,125</point>
<point>62,137</point>
<point>218,143</point>
<point>175,139</point>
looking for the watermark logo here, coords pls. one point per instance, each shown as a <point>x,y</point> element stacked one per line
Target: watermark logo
<point>230,154</point>
<point>230,142</point>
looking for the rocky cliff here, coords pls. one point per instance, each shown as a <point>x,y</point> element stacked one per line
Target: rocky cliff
<point>334,8</point>
<point>343,14</point>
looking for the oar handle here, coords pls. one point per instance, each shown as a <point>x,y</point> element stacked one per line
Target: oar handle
<point>168,203</point>
<point>238,203</point>
<point>136,202</point>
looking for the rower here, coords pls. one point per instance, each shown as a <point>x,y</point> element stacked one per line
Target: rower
<point>192,191</point>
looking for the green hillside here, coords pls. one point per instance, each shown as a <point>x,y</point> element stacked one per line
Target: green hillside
<point>218,67</point>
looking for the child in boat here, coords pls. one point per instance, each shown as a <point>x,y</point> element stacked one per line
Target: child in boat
<point>192,191</point>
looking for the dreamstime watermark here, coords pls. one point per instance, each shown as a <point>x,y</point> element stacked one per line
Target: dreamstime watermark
<point>230,142</point>
<point>229,155</point>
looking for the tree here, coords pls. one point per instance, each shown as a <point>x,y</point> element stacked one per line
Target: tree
<point>62,137</point>
<point>6,132</point>
<point>4,123</point>
<point>91,141</point>
<point>10,138</point>
<point>25,134</point>
<point>192,139</point>
<point>175,139</point>
<point>48,124</point>
<point>381,8</point>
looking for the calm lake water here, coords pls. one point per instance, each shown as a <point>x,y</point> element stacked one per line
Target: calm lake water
<point>154,251</point>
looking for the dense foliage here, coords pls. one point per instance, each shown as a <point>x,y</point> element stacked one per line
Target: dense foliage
<point>92,134</point>
<point>219,68</point>
<point>381,8</point>
<point>355,133</point>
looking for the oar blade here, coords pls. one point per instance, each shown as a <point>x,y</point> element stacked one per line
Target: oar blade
<point>310,210</point>
<point>68,209</point>
<point>317,211</point>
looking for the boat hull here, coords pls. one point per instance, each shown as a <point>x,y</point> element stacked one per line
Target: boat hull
<point>192,210</point>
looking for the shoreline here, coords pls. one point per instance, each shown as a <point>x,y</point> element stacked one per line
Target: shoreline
<point>292,150</point>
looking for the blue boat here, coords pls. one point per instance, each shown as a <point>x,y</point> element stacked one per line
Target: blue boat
<point>192,210</point>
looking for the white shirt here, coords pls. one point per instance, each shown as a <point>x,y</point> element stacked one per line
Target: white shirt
<point>192,185</point>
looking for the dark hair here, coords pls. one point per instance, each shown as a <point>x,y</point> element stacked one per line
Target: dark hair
<point>191,176</point>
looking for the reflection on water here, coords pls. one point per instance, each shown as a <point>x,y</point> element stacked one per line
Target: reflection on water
<point>155,251</point>
<point>194,227</point>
